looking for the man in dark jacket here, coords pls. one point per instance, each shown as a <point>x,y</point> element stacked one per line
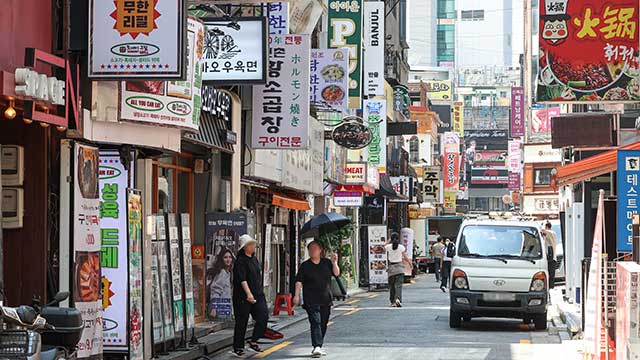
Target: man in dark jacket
<point>248,297</point>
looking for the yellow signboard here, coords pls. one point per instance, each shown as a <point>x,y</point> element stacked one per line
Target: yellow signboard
<point>439,90</point>
<point>449,203</point>
<point>457,120</point>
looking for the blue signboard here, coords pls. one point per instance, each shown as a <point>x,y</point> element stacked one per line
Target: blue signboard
<point>628,173</point>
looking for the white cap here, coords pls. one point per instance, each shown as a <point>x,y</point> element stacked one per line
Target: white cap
<point>246,239</point>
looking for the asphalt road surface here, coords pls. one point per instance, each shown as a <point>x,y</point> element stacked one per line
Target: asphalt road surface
<point>365,327</point>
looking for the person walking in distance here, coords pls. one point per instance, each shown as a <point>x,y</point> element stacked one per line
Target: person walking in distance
<point>314,278</point>
<point>448,251</point>
<point>437,257</point>
<point>397,257</point>
<point>550,241</point>
<point>248,297</point>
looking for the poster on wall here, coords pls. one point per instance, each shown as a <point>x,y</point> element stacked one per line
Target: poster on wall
<point>87,272</point>
<point>168,103</point>
<point>373,62</point>
<point>345,31</point>
<point>628,173</point>
<point>175,272</point>
<point>165,278</point>
<point>281,107</point>
<point>540,124</point>
<point>374,113</point>
<point>588,51</point>
<point>377,235</point>
<point>188,272</point>
<point>330,78</point>
<point>222,233</point>
<point>136,39</point>
<point>113,182</point>
<point>235,55</point>
<point>134,215</point>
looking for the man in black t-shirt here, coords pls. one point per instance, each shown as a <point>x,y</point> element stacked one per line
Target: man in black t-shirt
<point>314,278</point>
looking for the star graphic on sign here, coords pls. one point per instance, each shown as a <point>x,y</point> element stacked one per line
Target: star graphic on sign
<point>102,66</point>
<point>128,66</point>
<point>153,66</point>
<point>121,66</point>
<point>166,66</point>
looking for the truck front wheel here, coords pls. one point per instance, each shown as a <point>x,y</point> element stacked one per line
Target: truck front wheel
<point>455,319</point>
<point>540,321</point>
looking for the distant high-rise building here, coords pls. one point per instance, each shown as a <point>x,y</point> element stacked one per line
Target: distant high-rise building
<point>431,33</point>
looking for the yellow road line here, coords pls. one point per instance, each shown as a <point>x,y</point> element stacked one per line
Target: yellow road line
<point>525,341</point>
<point>351,302</point>
<point>330,323</point>
<point>373,296</point>
<point>272,349</point>
<point>352,312</point>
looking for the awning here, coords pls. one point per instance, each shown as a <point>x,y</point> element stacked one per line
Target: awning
<point>359,188</point>
<point>597,165</point>
<point>290,203</point>
<point>386,188</point>
<point>211,133</point>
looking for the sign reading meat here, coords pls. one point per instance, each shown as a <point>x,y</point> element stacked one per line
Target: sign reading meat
<point>588,51</point>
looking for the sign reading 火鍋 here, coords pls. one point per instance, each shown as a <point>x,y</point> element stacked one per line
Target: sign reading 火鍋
<point>375,114</point>
<point>136,39</point>
<point>345,26</point>
<point>628,174</point>
<point>588,51</point>
<point>330,79</point>
<point>517,111</point>
<point>281,107</point>
<point>168,103</point>
<point>235,55</point>
<point>373,62</point>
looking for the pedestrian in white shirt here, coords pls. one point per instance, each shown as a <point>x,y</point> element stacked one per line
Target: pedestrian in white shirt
<point>396,256</point>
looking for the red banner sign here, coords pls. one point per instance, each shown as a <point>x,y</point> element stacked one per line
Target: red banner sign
<point>451,161</point>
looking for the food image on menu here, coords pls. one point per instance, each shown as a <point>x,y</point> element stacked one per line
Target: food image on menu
<point>332,93</point>
<point>378,265</point>
<point>87,175</point>
<point>332,73</point>
<point>87,277</point>
<point>377,249</point>
<point>155,87</point>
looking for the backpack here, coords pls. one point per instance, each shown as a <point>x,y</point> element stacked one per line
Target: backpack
<point>451,250</point>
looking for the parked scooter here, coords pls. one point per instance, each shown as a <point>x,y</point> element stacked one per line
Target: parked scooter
<point>40,333</point>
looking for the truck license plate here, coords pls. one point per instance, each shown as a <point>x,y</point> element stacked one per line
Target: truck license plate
<point>498,297</point>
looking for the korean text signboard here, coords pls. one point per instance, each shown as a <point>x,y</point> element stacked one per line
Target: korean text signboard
<point>113,181</point>
<point>168,103</point>
<point>517,112</point>
<point>457,121</point>
<point>136,39</point>
<point>439,90</point>
<point>375,114</point>
<point>278,18</point>
<point>347,198</point>
<point>87,270</point>
<point>281,107</point>
<point>588,51</point>
<point>514,165</point>
<point>330,78</point>
<point>235,55</point>
<point>431,184</point>
<point>628,174</point>
<point>345,31</point>
<point>377,235</point>
<point>373,62</point>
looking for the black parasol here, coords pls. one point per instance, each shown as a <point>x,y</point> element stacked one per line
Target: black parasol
<point>323,224</point>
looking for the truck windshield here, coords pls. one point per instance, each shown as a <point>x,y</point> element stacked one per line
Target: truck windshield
<point>500,241</point>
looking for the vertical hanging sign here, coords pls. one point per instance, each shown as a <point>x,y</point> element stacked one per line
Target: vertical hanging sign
<point>373,61</point>
<point>628,174</point>
<point>517,112</point>
<point>514,165</point>
<point>134,215</point>
<point>345,27</point>
<point>375,115</point>
<point>278,18</point>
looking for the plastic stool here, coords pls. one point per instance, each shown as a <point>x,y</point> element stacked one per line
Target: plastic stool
<point>278,306</point>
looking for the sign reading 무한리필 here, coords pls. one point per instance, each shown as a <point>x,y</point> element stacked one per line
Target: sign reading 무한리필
<point>628,174</point>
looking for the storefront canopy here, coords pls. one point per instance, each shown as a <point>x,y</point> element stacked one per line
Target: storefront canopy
<point>287,202</point>
<point>597,165</point>
<point>211,133</point>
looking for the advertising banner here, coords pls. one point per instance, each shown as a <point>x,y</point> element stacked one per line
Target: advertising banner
<point>457,122</point>
<point>627,315</point>
<point>377,235</point>
<point>134,215</point>
<point>373,61</point>
<point>113,182</point>
<point>165,278</point>
<point>281,107</point>
<point>439,90</point>
<point>406,239</point>
<point>451,161</point>
<point>540,124</point>
<point>431,184</point>
<point>374,113</point>
<point>347,198</point>
<point>449,201</point>
<point>355,173</point>
<point>489,176</point>
<point>222,233</point>
<point>594,332</point>
<point>628,174</point>
<point>515,164</point>
<point>87,270</point>
<point>168,103</point>
<point>489,158</point>
<point>156,306</point>
<point>345,31</point>
<point>176,273</point>
<point>235,55</point>
<point>136,39</point>
<point>330,79</point>
<point>278,18</point>
<point>517,112</point>
<point>588,51</point>
<point>188,270</point>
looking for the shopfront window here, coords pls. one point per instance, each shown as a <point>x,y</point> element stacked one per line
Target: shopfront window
<point>542,177</point>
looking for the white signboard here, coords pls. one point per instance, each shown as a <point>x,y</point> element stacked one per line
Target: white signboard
<point>355,173</point>
<point>316,133</point>
<point>113,181</point>
<point>281,107</point>
<point>168,103</point>
<point>373,67</point>
<point>278,18</point>
<point>374,114</point>
<point>235,55</point>
<point>347,198</point>
<point>377,235</point>
<point>136,39</point>
<point>401,186</point>
<point>296,170</point>
<point>330,79</point>
<point>541,154</point>
<point>431,184</point>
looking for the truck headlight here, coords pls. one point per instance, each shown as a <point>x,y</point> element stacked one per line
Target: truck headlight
<point>460,280</point>
<point>539,281</point>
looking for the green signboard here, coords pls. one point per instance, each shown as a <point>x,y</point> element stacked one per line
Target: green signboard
<point>345,31</point>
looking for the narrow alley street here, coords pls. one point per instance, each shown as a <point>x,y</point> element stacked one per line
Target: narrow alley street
<point>365,327</point>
